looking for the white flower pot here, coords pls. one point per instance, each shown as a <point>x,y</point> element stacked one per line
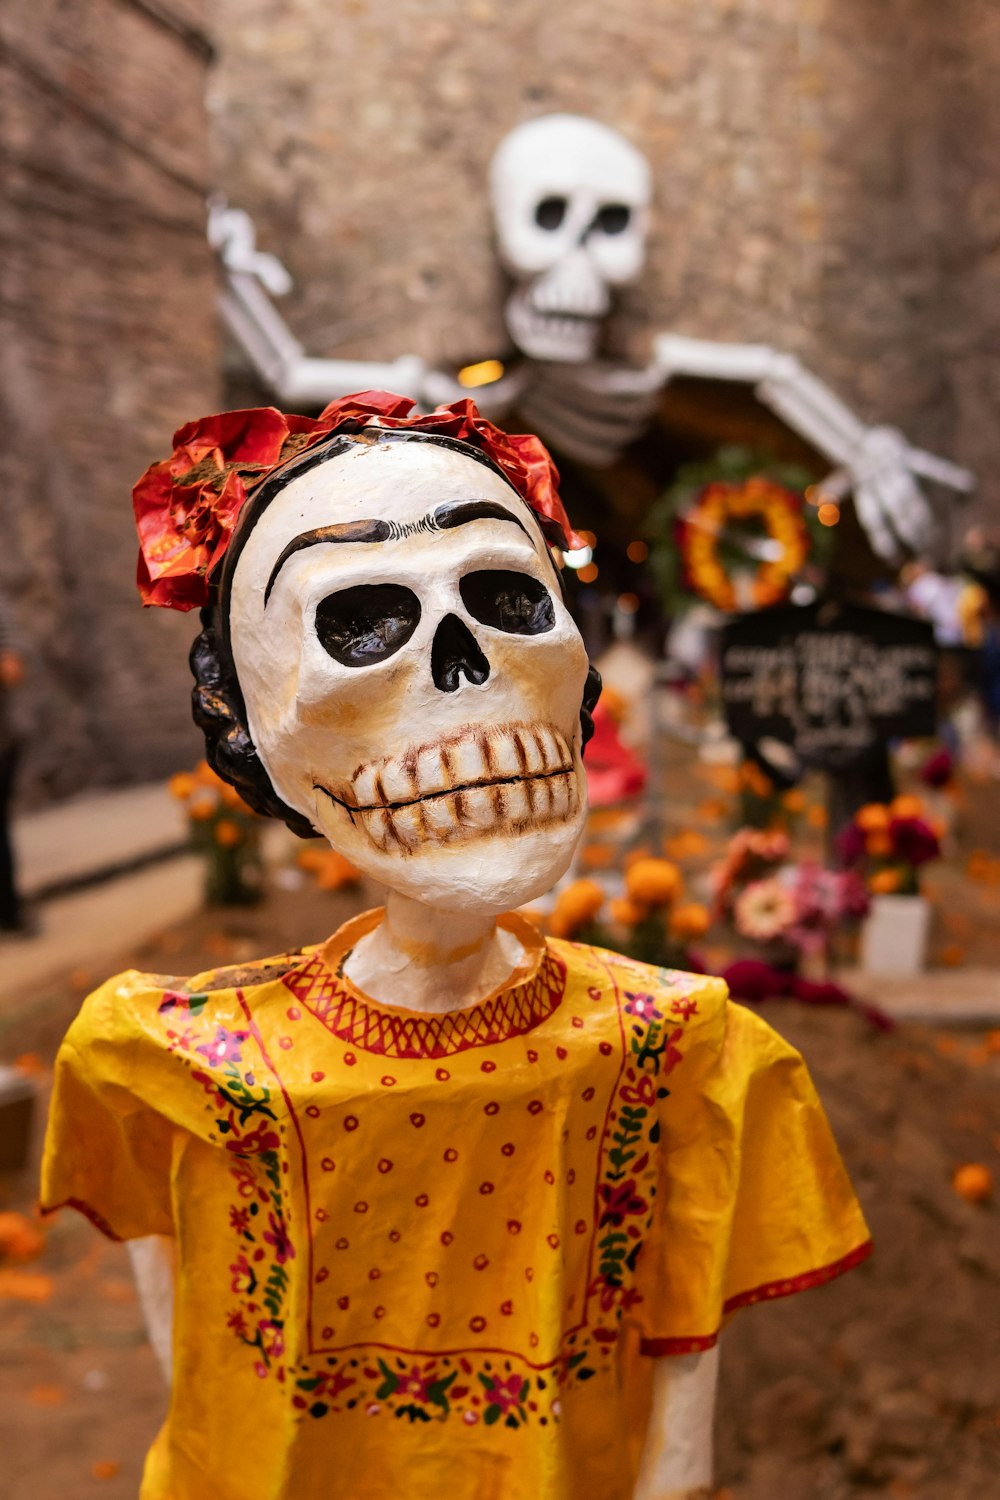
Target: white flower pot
<point>894,935</point>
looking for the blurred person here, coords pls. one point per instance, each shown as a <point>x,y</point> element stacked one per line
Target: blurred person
<point>12,916</point>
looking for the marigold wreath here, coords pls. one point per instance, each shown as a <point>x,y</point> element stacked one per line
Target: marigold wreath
<point>702,531</point>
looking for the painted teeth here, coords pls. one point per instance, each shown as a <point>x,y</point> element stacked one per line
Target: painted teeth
<point>515,776</point>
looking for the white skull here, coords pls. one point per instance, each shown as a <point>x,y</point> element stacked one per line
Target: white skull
<point>571,203</point>
<point>412,679</point>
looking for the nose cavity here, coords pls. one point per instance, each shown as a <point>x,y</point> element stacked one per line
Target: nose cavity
<point>454,654</point>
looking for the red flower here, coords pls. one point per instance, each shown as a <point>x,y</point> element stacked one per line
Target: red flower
<point>416,1383</point>
<point>277,1235</point>
<point>505,1393</point>
<point>620,1200</point>
<point>186,507</point>
<point>246,1182</point>
<point>913,841</point>
<point>254,1142</point>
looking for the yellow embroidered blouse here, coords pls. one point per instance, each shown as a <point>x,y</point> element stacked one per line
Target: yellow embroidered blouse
<point>431,1254</point>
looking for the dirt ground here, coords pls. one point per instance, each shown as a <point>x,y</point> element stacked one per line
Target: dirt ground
<point>885,1383</point>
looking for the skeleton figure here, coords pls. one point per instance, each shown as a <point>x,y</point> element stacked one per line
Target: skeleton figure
<point>475,1241</point>
<point>571,203</point>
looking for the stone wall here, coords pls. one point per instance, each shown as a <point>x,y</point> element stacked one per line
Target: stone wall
<point>824,176</point>
<point>108,343</point>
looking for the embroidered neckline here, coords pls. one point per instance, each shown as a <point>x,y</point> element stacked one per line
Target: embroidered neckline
<point>321,986</point>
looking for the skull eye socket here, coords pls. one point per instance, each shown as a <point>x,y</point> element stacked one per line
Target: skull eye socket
<point>512,602</point>
<point>361,626</point>
<point>612,218</point>
<point>550,213</point>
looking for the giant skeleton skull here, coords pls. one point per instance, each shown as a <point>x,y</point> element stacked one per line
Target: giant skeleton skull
<point>411,675</point>
<point>571,200</point>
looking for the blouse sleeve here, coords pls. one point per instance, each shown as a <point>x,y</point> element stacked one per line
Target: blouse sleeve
<point>753,1200</point>
<point>108,1151</point>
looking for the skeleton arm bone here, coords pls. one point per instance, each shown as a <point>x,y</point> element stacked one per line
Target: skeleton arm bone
<point>153,1265</point>
<point>251,278</point>
<point>280,361</point>
<point>876,462</point>
<point>677,1458</point>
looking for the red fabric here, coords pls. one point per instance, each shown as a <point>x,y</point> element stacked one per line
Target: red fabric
<point>187,506</point>
<point>614,772</point>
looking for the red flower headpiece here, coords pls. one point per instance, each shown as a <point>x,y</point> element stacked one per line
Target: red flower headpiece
<point>186,508</point>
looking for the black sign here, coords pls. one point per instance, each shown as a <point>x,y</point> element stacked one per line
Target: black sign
<point>832,681</point>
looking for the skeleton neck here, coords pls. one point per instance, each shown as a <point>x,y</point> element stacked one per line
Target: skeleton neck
<point>424,959</point>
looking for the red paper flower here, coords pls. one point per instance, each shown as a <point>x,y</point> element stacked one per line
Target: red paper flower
<point>186,507</point>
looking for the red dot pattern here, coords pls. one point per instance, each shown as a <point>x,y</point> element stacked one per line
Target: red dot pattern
<point>526,1136</point>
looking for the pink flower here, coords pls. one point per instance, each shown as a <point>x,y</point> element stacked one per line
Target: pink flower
<point>765,910</point>
<point>272,1338</point>
<point>238,1323</point>
<point>853,900</point>
<point>642,1006</point>
<point>225,1047</point>
<point>244,1280</point>
<point>850,845</point>
<point>239,1219</point>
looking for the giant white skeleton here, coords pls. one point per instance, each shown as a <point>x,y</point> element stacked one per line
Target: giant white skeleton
<point>571,201</point>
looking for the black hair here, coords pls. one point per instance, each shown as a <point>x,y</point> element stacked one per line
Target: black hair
<point>217,700</point>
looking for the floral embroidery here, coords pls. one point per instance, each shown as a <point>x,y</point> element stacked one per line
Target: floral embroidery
<point>629,1187</point>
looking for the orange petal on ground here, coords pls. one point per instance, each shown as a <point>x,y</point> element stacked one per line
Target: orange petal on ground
<point>47,1395</point>
<point>20,1239</point>
<point>25,1286</point>
<point>30,1064</point>
<point>973,1182</point>
<point>105,1468</point>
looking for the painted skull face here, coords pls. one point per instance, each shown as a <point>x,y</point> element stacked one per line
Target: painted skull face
<point>412,678</point>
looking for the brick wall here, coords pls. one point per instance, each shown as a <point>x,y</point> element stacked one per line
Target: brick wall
<point>108,343</point>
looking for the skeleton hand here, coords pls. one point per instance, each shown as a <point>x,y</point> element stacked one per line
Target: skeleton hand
<point>876,463</point>
<point>232,234</point>
<point>890,504</point>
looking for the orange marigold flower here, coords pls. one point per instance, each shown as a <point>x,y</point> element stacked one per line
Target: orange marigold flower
<point>907,807</point>
<point>205,776</point>
<point>579,903</point>
<point>872,817</point>
<point>973,1182</point>
<point>878,844</point>
<point>227,833</point>
<point>884,882</point>
<point>653,882</point>
<point>794,800</point>
<point>625,912</point>
<point>203,807</point>
<point>754,780</point>
<point>689,921</point>
<point>181,785</point>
